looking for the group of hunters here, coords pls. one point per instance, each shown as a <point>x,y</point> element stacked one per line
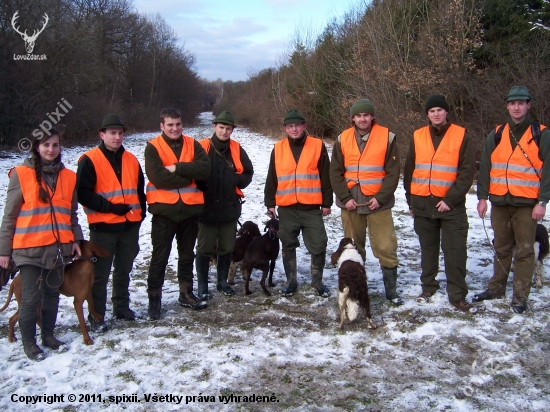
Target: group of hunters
<point>194,193</point>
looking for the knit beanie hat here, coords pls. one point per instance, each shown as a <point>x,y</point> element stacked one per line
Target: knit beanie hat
<point>293,116</point>
<point>225,117</point>
<point>111,120</point>
<point>361,106</point>
<point>436,100</point>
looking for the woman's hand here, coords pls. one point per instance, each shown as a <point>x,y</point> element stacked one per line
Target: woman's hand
<point>5,261</point>
<point>75,250</point>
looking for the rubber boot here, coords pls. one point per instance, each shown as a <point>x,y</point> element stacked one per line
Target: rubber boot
<point>223,269</point>
<point>202,264</point>
<point>289,263</point>
<point>48,324</point>
<point>28,336</point>
<point>155,297</point>
<point>390,283</point>
<point>317,266</point>
<point>188,299</point>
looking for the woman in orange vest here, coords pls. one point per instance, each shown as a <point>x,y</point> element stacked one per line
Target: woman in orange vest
<point>40,231</point>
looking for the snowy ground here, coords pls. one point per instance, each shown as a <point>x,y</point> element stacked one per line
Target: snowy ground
<point>289,352</point>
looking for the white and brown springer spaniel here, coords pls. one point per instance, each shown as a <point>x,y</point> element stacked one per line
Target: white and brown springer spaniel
<point>353,292</point>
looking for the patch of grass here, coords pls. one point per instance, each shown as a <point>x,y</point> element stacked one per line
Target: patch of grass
<point>112,343</point>
<point>286,379</point>
<point>128,377</point>
<point>205,375</point>
<point>187,366</point>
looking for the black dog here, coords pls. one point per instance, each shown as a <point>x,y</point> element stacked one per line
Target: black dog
<point>262,254</point>
<point>248,231</point>
<point>541,251</point>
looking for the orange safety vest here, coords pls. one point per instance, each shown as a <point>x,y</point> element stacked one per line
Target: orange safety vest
<point>189,195</point>
<point>365,168</point>
<point>34,226</point>
<point>108,186</point>
<point>435,171</point>
<point>235,150</point>
<point>511,171</point>
<point>298,183</point>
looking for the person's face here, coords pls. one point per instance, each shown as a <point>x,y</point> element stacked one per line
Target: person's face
<point>49,149</point>
<point>363,121</point>
<point>518,109</point>
<point>172,127</point>
<point>112,138</point>
<point>438,116</point>
<point>295,130</point>
<point>223,131</point>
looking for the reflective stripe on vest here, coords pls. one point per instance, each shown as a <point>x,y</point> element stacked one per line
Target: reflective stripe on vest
<point>235,150</point>
<point>435,171</point>
<point>190,195</point>
<point>298,183</point>
<point>34,225</point>
<point>511,171</point>
<point>108,186</point>
<point>365,168</point>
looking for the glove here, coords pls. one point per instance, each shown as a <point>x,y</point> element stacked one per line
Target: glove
<point>7,274</point>
<point>120,209</point>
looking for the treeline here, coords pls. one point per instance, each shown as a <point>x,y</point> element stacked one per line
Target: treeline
<point>101,56</point>
<point>397,53</point>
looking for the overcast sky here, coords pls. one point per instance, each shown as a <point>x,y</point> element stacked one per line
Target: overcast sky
<point>233,38</point>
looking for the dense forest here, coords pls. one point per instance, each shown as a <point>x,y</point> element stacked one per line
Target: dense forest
<point>397,53</point>
<point>103,56</point>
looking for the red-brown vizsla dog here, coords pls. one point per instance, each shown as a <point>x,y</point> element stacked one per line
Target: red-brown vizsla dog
<point>78,278</point>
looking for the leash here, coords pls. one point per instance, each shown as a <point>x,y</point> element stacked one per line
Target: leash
<point>272,233</point>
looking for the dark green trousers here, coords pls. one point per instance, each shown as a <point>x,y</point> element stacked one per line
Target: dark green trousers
<point>223,235</point>
<point>452,232</point>
<point>123,247</point>
<point>310,223</point>
<point>163,231</point>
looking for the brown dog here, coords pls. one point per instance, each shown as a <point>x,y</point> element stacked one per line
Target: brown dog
<point>353,292</point>
<point>78,278</point>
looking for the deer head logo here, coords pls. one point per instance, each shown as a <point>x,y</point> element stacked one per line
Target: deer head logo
<point>29,40</point>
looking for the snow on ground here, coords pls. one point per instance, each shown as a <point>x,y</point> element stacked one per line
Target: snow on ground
<point>289,352</point>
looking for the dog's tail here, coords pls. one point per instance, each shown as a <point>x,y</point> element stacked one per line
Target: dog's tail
<point>10,294</point>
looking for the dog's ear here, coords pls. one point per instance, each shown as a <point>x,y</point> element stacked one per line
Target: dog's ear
<point>94,249</point>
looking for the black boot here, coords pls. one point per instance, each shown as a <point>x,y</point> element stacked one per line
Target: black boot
<point>390,284</point>
<point>289,263</point>
<point>317,266</point>
<point>28,336</point>
<point>486,295</point>
<point>202,264</point>
<point>223,269</point>
<point>187,297</point>
<point>48,323</point>
<point>155,297</point>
